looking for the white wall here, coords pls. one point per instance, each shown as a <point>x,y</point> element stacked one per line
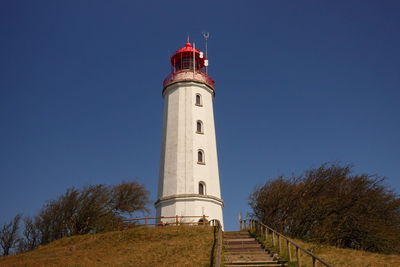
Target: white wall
<point>179,171</point>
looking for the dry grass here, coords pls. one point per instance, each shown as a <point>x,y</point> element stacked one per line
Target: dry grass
<point>347,257</point>
<point>337,256</point>
<point>158,246</point>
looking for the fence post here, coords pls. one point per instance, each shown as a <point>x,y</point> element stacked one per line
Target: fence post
<point>279,243</point>
<point>273,238</point>
<point>298,257</point>
<point>288,250</point>
<point>177,220</point>
<point>314,263</point>
<point>145,221</point>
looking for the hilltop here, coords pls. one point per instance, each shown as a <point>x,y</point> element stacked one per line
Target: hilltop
<point>152,246</point>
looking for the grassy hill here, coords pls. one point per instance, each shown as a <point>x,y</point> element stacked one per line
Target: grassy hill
<point>165,246</point>
<point>348,257</point>
<point>153,246</point>
<point>339,257</point>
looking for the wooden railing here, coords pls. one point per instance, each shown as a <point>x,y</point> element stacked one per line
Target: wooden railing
<point>217,247</point>
<point>164,221</point>
<point>276,240</point>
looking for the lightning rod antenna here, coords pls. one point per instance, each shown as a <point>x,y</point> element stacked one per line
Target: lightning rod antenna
<point>206,35</point>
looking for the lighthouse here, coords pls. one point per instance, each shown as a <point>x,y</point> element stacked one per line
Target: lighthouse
<point>189,177</point>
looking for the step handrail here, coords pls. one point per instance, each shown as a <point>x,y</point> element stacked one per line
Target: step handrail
<point>217,247</point>
<point>264,230</point>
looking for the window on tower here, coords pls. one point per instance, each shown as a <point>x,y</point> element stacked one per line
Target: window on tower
<point>198,100</point>
<point>202,188</point>
<point>200,157</point>
<point>199,127</point>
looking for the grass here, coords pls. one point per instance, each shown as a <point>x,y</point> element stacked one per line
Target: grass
<point>336,256</point>
<point>348,257</point>
<point>152,246</point>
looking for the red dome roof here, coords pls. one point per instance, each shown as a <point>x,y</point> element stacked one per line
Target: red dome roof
<point>187,51</point>
<point>188,48</point>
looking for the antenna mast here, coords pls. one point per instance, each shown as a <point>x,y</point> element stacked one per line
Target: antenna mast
<point>206,35</point>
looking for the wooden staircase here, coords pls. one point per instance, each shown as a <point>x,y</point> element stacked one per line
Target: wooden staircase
<point>240,250</point>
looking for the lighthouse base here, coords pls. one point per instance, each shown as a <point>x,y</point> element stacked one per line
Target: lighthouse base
<point>189,205</point>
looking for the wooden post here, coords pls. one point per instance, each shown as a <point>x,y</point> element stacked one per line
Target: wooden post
<point>266,233</point>
<point>288,250</point>
<point>177,220</point>
<point>298,257</point>
<point>145,221</point>
<point>273,238</point>
<point>240,221</point>
<point>279,243</point>
<point>314,262</point>
<point>204,220</point>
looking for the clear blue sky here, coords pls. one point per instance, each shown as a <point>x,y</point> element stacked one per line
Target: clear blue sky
<point>298,83</point>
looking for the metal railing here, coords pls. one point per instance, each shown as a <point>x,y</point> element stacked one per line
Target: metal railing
<point>276,240</point>
<point>188,75</point>
<point>164,221</point>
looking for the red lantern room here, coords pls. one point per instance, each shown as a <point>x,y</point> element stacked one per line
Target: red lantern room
<point>188,64</point>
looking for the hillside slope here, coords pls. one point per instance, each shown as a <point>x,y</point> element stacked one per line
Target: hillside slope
<point>155,246</point>
<point>348,257</point>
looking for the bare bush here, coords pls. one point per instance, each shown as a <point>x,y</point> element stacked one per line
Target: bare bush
<point>9,235</point>
<point>331,205</point>
<point>93,209</point>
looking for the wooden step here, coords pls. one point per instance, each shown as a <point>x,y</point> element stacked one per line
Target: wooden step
<point>276,264</point>
<point>242,240</point>
<point>249,253</point>
<point>254,265</point>
<point>243,250</point>
<point>256,259</point>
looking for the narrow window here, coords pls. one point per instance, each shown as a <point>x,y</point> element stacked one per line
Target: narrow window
<point>200,157</point>
<point>199,127</point>
<point>198,100</point>
<point>202,188</point>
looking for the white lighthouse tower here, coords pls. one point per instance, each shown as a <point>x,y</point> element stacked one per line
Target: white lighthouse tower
<point>189,179</point>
